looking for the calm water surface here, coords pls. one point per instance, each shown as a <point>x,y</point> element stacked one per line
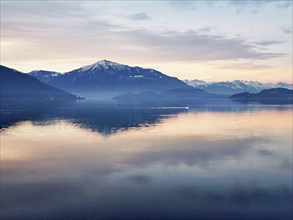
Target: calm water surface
<point>89,162</point>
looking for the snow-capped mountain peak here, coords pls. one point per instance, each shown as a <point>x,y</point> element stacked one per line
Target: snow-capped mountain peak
<point>106,68</point>
<point>107,79</point>
<point>236,86</point>
<point>196,83</point>
<point>104,64</point>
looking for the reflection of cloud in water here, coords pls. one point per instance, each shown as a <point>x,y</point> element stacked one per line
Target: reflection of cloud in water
<point>139,179</point>
<point>180,167</point>
<point>89,199</point>
<point>266,152</point>
<point>287,164</point>
<point>285,160</point>
<point>196,150</point>
<point>238,194</point>
<point>36,193</point>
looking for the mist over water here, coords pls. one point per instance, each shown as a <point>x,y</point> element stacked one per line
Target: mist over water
<point>93,161</point>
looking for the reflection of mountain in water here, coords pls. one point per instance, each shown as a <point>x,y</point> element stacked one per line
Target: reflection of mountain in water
<point>109,118</point>
<point>229,163</point>
<point>105,119</point>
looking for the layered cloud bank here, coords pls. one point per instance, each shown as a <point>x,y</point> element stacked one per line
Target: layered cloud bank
<point>225,40</point>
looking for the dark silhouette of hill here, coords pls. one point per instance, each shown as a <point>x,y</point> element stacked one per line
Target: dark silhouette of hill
<point>19,86</point>
<point>269,96</point>
<point>173,97</point>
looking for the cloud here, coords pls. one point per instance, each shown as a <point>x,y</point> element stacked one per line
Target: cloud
<point>244,66</point>
<point>100,38</point>
<point>59,32</point>
<point>252,6</point>
<point>269,42</point>
<point>286,29</point>
<point>57,9</point>
<point>189,46</point>
<point>181,5</point>
<point>261,3</point>
<point>139,16</point>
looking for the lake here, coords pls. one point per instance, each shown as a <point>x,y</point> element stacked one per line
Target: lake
<point>93,161</point>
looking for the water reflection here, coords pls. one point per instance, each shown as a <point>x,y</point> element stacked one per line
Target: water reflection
<point>105,119</point>
<point>110,118</point>
<point>156,164</point>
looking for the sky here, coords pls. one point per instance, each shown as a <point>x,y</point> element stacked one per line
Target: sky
<point>205,40</point>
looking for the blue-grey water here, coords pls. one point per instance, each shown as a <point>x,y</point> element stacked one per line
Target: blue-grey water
<point>89,161</point>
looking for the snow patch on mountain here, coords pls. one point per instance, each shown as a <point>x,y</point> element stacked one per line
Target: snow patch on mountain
<point>196,83</point>
<point>44,75</point>
<point>104,64</point>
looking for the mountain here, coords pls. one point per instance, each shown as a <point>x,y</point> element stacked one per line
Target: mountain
<point>43,75</point>
<point>191,94</point>
<point>272,96</point>
<point>196,83</point>
<point>174,97</point>
<point>106,79</point>
<point>236,86</point>
<point>19,86</point>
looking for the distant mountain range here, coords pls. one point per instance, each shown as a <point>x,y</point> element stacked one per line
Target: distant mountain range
<point>274,96</point>
<point>236,86</point>
<point>19,86</point>
<point>174,97</point>
<point>106,79</point>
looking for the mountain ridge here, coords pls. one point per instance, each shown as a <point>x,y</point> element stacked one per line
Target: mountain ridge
<point>107,79</point>
<point>270,96</point>
<point>173,97</point>
<point>16,85</point>
<point>236,86</point>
